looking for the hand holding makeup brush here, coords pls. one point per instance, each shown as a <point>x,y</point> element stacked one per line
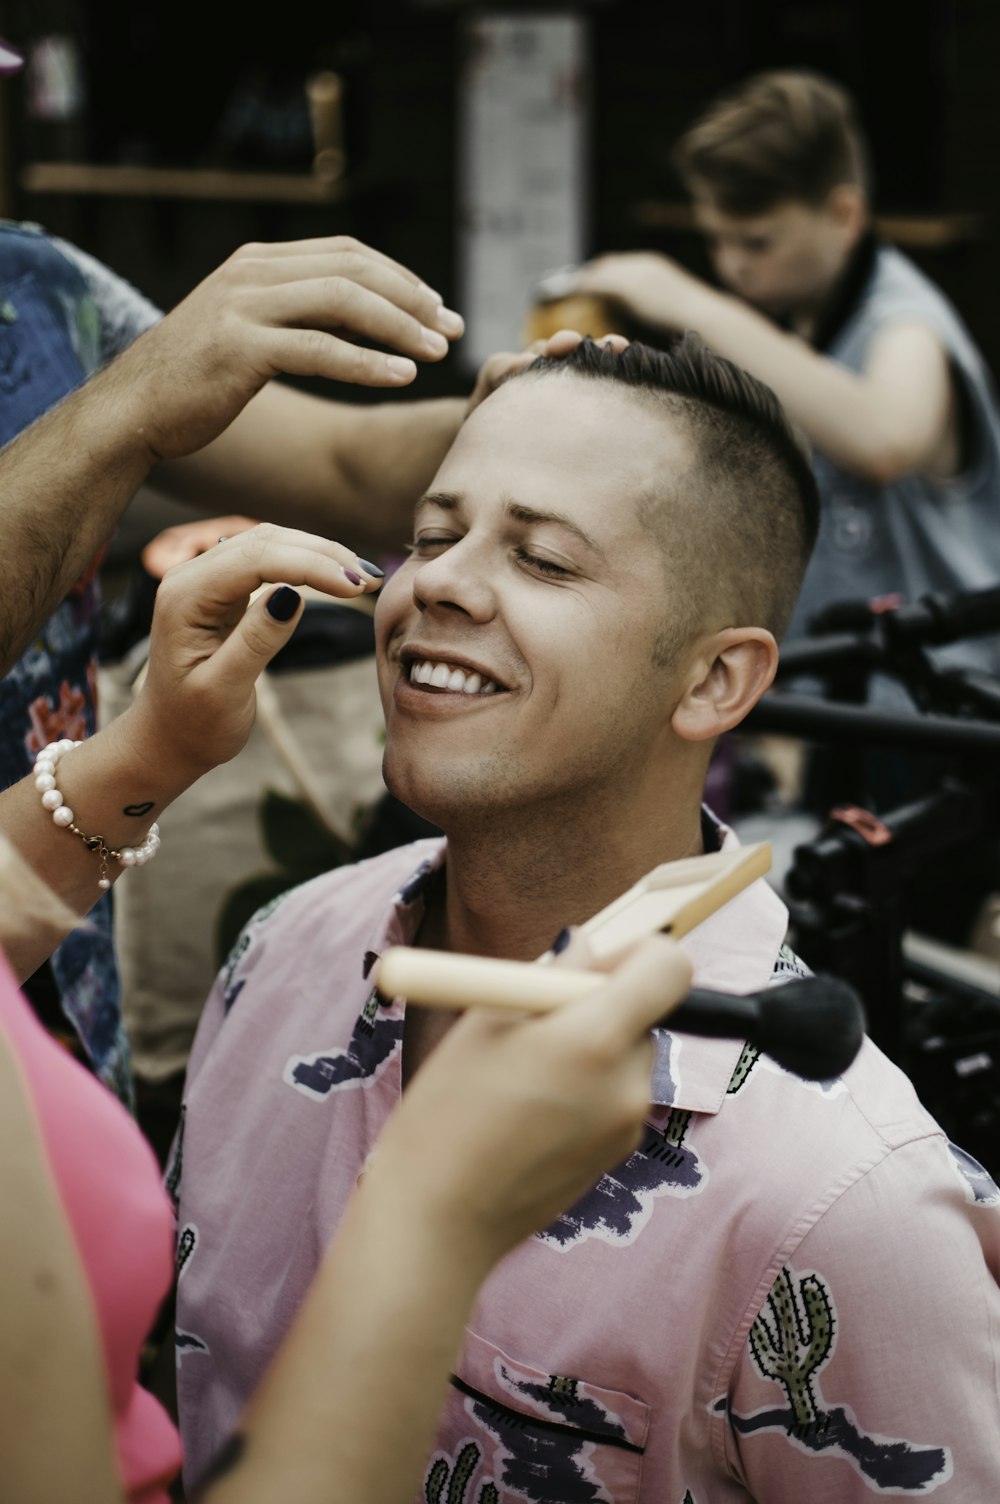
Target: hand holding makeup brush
<point>534,1108</point>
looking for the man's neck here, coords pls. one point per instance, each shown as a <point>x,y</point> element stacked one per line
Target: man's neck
<point>513,880</point>
<point>507,892</point>
<point>511,887</point>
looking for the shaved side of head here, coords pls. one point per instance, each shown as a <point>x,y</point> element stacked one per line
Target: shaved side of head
<point>737,526</point>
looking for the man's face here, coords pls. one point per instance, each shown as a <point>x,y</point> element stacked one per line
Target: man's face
<point>783,262</point>
<point>517,646</point>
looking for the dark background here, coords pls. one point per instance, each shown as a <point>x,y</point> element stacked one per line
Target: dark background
<point>162,82</point>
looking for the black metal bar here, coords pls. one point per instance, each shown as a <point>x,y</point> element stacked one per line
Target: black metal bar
<point>814,719</point>
<point>818,655</point>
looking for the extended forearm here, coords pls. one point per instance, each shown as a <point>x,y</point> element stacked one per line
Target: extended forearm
<point>857,426</point>
<point>65,482</point>
<point>56,1438</point>
<point>378,1334</point>
<point>400,447</point>
<point>347,471</point>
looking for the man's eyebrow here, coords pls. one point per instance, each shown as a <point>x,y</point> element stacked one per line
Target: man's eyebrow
<point>448,501</point>
<point>445,501</point>
<point>520,513</point>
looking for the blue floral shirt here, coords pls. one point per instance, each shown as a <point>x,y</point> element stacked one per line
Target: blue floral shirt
<point>63,316</point>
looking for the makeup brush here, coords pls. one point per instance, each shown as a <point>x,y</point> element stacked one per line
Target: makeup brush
<point>812,1026</point>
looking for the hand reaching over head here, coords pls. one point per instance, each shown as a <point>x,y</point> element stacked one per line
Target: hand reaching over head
<point>496,367</point>
<point>302,308</point>
<point>649,286</point>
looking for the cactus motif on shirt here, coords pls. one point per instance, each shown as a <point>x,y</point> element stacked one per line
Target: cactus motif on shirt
<point>457,1477</point>
<point>749,1055</point>
<point>789,1343</point>
<point>800,1342</point>
<point>677,1126</point>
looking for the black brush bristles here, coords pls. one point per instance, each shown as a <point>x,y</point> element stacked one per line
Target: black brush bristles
<point>813,1027</point>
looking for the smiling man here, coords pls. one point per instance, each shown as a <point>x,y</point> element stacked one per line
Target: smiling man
<point>597,579</point>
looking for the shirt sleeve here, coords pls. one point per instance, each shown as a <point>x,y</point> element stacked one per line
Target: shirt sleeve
<point>874,1365</point>
<point>122,312</point>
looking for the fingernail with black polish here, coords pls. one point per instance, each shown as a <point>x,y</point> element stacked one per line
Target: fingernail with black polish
<point>372,569</point>
<point>560,943</point>
<point>284,603</point>
<point>355,579</point>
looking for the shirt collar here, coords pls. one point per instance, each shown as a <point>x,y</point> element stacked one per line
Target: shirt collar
<point>734,950</point>
<point>400,925</point>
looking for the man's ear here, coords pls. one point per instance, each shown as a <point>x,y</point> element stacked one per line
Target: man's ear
<point>729,672</point>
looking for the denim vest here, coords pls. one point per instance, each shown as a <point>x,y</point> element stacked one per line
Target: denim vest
<point>913,536</point>
<point>49,344</point>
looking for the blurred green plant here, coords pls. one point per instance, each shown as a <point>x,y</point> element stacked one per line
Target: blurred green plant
<point>301,848</point>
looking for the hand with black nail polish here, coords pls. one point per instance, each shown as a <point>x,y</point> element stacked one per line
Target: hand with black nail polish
<point>208,646</point>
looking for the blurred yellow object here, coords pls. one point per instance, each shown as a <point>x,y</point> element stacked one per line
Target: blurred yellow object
<point>582,311</point>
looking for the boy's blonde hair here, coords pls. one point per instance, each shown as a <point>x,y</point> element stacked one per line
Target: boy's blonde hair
<point>779,137</point>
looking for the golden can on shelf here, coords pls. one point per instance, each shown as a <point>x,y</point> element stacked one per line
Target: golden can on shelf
<point>556,304</point>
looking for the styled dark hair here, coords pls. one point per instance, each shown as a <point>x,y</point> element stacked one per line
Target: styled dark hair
<point>742,519</point>
<point>777,137</point>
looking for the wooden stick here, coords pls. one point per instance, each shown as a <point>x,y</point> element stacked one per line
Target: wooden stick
<point>444,979</point>
<point>673,898</point>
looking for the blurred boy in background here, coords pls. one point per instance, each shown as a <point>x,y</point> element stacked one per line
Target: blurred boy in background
<point>866,354</point>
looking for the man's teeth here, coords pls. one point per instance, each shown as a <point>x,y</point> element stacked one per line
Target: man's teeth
<point>448,676</point>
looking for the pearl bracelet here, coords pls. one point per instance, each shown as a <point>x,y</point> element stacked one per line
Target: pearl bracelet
<point>45,782</point>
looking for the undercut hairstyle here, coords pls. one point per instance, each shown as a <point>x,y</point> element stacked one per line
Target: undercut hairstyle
<point>779,137</point>
<point>738,523</point>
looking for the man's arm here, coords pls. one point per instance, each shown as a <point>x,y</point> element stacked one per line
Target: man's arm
<point>65,482</point>
<point>896,418</point>
<point>345,470</point>
<point>334,467</point>
<point>292,458</point>
<point>268,310</point>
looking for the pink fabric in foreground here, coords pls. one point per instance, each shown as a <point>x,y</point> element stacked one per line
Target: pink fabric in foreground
<point>109,1185</point>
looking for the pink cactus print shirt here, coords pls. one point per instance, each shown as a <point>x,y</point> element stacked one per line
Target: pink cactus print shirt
<point>788,1293</point>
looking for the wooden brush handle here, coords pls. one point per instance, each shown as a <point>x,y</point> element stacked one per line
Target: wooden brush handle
<point>443,979</point>
<point>676,898</point>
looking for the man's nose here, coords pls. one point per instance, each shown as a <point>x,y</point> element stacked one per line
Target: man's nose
<point>459,578</point>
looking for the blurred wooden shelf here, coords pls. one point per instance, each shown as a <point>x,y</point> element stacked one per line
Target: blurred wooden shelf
<point>183,183</point>
<point>916,231</point>
<point>931,231</point>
